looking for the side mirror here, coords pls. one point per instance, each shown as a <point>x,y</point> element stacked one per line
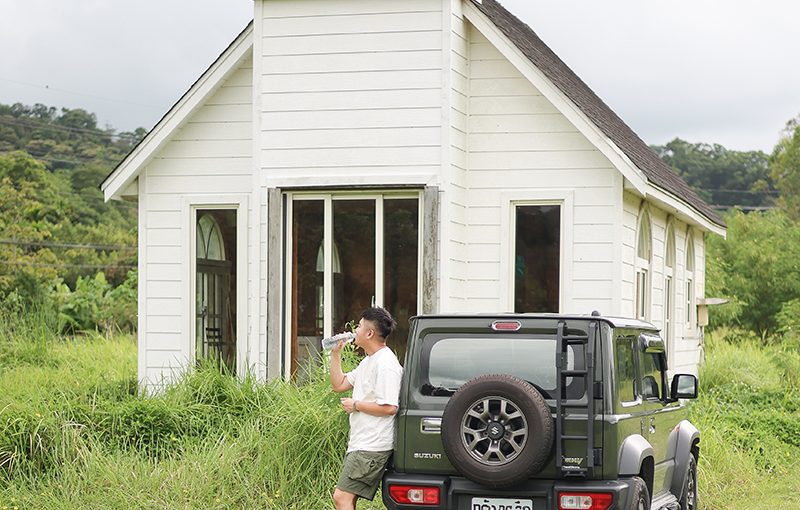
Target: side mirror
<point>683,386</point>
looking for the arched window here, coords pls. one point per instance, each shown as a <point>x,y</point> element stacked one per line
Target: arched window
<point>215,287</point>
<point>689,269</point>
<point>209,239</point>
<point>669,286</point>
<point>644,255</point>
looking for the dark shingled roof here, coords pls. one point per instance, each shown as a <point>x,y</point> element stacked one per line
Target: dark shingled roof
<point>656,171</point>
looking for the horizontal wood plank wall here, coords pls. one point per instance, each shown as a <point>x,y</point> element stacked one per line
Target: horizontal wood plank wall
<point>350,90</point>
<point>630,216</point>
<point>688,336</point>
<point>211,154</point>
<point>457,199</point>
<point>518,141</point>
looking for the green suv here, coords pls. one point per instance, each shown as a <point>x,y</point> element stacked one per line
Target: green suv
<point>541,412</point>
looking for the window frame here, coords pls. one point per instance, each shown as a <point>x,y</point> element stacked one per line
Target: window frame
<point>544,197</point>
<point>690,314</point>
<point>642,285</point>
<point>328,197</point>
<point>246,351</point>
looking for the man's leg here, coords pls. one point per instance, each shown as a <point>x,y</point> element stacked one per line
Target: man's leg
<point>344,500</point>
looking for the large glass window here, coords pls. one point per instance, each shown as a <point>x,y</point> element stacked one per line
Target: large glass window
<point>374,250</point>
<point>354,242</point>
<point>307,279</point>
<point>215,287</point>
<point>400,272</point>
<point>537,255</point>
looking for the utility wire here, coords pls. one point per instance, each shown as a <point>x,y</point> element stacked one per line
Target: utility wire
<point>65,91</point>
<point>64,266</point>
<point>44,244</point>
<point>37,124</point>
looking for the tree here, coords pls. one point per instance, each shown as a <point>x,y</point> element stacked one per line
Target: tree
<point>722,177</point>
<point>785,168</point>
<point>756,267</point>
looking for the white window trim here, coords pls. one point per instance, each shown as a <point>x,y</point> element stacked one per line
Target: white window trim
<point>565,199</point>
<point>246,350</point>
<point>690,280</point>
<point>643,266</point>
<point>328,197</point>
<point>669,290</point>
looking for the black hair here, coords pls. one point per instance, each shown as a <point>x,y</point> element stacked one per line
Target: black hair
<point>381,318</point>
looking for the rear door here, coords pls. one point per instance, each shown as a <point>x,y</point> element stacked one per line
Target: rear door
<point>445,358</point>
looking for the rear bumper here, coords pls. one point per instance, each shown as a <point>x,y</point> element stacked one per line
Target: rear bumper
<point>457,493</point>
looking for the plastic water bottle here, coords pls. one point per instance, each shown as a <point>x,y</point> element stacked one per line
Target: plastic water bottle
<point>332,341</point>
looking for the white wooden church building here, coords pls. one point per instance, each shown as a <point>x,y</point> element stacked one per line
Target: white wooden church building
<point>423,155</point>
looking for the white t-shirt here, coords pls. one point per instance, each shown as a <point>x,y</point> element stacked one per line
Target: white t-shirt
<point>376,379</point>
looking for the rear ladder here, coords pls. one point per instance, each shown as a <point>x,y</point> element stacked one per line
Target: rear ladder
<point>564,340</point>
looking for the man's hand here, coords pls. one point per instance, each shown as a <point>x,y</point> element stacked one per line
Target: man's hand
<point>347,405</point>
<point>337,349</point>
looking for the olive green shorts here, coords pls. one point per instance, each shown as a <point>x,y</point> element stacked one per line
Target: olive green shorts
<point>362,472</point>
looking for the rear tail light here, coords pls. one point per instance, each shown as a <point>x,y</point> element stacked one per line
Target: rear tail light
<point>584,500</point>
<point>414,494</point>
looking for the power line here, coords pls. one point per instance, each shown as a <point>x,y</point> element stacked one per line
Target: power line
<point>35,124</point>
<point>64,266</point>
<point>65,91</point>
<point>44,244</point>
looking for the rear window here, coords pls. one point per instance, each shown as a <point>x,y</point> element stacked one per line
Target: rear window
<point>450,361</point>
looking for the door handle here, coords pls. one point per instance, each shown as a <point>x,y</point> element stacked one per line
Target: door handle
<point>652,425</point>
<point>430,425</point>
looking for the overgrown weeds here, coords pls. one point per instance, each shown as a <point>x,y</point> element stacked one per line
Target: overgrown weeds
<point>749,416</point>
<point>76,433</point>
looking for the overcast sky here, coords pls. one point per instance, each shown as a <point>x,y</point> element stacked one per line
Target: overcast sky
<point>721,71</point>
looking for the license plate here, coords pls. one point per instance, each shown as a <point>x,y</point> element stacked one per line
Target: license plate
<point>501,504</point>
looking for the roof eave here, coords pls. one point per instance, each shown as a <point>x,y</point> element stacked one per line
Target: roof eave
<point>128,169</point>
<point>669,202</point>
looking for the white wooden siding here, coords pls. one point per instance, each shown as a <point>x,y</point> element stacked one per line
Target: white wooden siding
<point>630,217</point>
<point>455,268</point>
<point>519,143</point>
<point>349,88</point>
<point>211,154</point>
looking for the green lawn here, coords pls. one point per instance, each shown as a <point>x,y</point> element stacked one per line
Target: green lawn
<point>74,434</point>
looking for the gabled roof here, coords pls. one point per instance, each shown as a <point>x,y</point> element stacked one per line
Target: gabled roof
<point>128,169</point>
<point>540,55</point>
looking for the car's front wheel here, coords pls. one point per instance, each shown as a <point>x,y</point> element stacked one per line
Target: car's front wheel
<point>689,496</point>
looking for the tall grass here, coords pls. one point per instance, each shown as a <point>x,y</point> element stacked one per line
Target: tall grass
<point>75,434</point>
<point>748,413</point>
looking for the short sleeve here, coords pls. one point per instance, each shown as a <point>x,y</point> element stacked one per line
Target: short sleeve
<point>351,376</point>
<point>387,386</point>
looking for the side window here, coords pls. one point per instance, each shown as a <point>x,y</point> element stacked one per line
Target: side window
<point>652,375</point>
<point>626,368</point>
<point>537,254</point>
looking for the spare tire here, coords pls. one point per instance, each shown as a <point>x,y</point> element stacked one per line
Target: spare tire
<point>497,430</point>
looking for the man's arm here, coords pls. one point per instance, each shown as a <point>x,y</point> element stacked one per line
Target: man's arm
<point>373,408</point>
<point>339,381</point>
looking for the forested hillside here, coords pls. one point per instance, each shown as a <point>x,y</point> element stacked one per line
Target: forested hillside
<point>57,234</point>
<point>724,178</point>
